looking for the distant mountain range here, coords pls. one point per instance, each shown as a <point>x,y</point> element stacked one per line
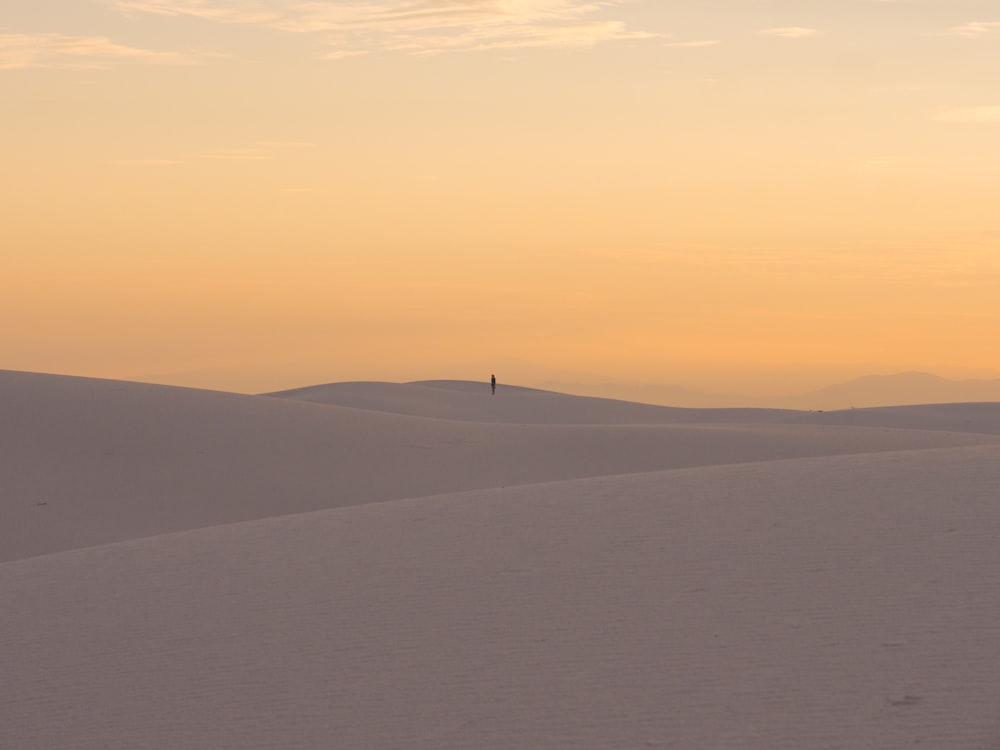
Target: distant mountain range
<point>871,390</point>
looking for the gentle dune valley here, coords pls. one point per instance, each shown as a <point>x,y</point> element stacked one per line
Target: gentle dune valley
<point>427,565</point>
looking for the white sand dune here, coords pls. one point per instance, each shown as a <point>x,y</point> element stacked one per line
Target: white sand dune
<point>459,399</point>
<point>758,585</point>
<point>89,462</point>
<point>970,418</point>
<point>462,400</point>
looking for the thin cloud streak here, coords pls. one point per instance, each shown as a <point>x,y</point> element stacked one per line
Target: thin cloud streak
<point>414,26</point>
<point>259,151</point>
<point>697,43</point>
<point>790,32</point>
<point>285,144</point>
<point>342,54</point>
<point>479,39</point>
<point>975,29</point>
<point>65,51</point>
<point>236,154</point>
<point>149,162</point>
<point>969,115</point>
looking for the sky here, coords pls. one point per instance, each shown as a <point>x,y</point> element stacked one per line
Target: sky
<point>732,195</point>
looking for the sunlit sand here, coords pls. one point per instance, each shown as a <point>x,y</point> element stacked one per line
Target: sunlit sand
<point>426,565</point>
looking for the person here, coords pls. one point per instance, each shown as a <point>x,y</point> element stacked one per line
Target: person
<point>493,384</point>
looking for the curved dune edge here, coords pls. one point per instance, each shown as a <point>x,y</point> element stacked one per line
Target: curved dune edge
<point>88,462</point>
<point>468,401</point>
<point>836,601</point>
<point>464,401</point>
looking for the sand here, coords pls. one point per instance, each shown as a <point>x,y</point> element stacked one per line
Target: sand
<point>429,566</point>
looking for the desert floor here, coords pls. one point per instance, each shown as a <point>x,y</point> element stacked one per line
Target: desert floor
<point>426,565</point>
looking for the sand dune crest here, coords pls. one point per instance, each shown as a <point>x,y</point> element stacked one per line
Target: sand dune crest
<point>89,462</point>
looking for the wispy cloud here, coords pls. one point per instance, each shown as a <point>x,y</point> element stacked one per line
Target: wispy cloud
<point>64,51</point>
<point>340,54</point>
<point>148,162</point>
<point>236,154</point>
<point>969,114</point>
<point>580,34</point>
<point>416,26</point>
<point>259,151</point>
<point>975,28</point>
<point>285,144</point>
<point>696,43</point>
<point>790,32</point>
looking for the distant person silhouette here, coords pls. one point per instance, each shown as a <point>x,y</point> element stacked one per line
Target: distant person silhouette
<point>493,384</point>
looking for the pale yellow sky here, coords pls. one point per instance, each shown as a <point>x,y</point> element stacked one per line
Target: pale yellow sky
<point>735,194</point>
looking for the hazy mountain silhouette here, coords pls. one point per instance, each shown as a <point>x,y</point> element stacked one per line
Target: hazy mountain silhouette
<point>894,390</point>
<point>904,388</point>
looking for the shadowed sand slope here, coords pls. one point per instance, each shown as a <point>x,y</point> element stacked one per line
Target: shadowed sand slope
<point>464,400</point>
<point>831,602</point>
<point>88,462</point>
<point>975,418</point>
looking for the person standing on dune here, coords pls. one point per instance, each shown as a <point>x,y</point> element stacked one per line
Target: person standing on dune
<point>493,384</point>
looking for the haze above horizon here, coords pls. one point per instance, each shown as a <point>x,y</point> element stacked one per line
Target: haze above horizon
<point>750,197</point>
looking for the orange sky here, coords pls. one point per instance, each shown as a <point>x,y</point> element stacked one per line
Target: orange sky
<point>262,193</point>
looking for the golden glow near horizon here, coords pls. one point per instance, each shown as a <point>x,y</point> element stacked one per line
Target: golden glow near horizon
<point>657,191</point>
